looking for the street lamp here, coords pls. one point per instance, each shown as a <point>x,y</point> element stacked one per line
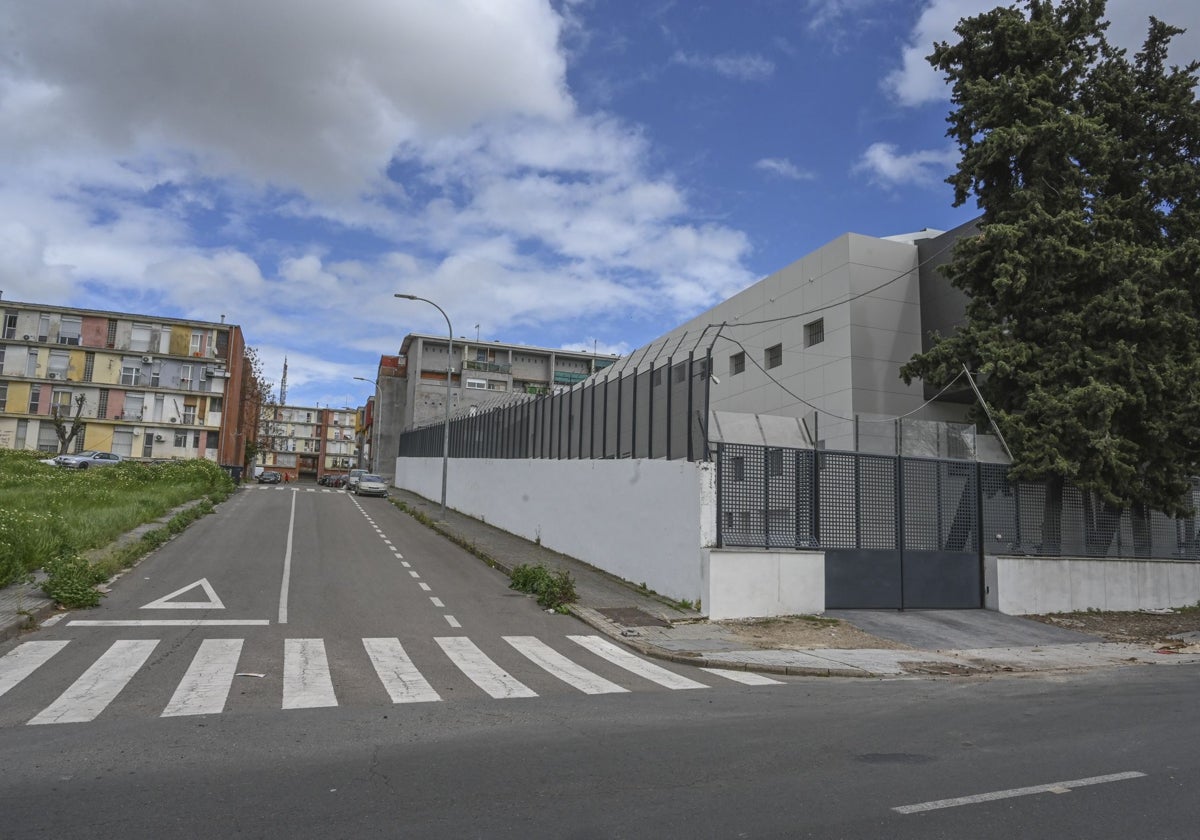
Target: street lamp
<point>449,370</point>
<point>371,462</point>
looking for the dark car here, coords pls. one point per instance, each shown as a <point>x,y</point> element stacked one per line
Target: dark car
<point>269,477</point>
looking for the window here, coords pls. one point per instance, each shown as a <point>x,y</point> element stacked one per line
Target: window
<point>43,328</point>
<point>110,338</point>
<point>147,444</point>
<point>155,373</point>
<point>481,356</point>
<point>197,340</point>
<point>35,397</point>
<point>79,437</point>
<point>773,356</point>
<point>3,396</point>
<point>60,402</point>
<point>89,366</point>
<point>737,364</point>
<point>477,384</point>
<point>131,370</point>
<point>122,442</point>
<point>185,377</point>
<point>31,363</point>
<point>215,404</point>
<point>655,377</point>
<point>679,373</point>
<point>139,339</point>
<point>180,439</point>
<point>58,364</point>
<point>10,325</point>
<point>814,333</point>
<point>2,346</point>
<point>212,440</point>
<point>497,385</point>
<point>135,404</point>
<point>69,329</point>
<point>47,440</point>
<point>102,405</point>
<point>189,414</point>
<point>195,440</point>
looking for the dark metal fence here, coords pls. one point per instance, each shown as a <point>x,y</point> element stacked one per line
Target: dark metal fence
<point>660,411</point>
<point>771,497</point>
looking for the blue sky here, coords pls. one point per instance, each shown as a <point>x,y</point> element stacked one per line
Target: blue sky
<point>561,173</point>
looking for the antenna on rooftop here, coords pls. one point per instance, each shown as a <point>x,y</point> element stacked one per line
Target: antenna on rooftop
<point>283,384</point>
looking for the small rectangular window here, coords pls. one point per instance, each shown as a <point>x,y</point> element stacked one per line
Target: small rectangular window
<point>814,333</point>
<point>3,396</point>
<point>773,356</point>
<point>477,384</point>
<point>737,363</point>
<point>180,439</point>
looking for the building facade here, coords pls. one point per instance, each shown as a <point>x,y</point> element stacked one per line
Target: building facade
<point>141,386</point>
<point>307,442</point>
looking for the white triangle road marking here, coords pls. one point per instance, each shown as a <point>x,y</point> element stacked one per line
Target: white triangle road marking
<point>166,602</point>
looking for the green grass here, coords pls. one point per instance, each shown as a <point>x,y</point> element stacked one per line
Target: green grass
<point>48,513</point>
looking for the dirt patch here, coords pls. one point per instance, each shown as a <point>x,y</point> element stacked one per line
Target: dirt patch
<point>1145,627</point>
<point>798,632</point>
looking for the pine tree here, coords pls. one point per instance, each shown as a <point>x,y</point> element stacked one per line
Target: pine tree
<point>1083,320</point>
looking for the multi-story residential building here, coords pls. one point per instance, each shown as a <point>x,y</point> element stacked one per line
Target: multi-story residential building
<point>143,386</point>
<point>479,373</point>
<point>307,442</point>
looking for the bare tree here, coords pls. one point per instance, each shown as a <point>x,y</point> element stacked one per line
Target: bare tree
<point>66,426</point>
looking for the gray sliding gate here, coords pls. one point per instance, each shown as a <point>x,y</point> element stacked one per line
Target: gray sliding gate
<point>898,532</point>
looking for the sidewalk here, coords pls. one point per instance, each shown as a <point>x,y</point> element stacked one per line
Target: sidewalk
<point>961,642</point>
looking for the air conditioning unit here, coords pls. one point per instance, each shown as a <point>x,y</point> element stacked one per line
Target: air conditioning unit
<point>210,371</point>
<point>52,375</point>
<point>27,336</point>
<point>137,432</point>
<point>147,359</point>
<point>174,419</point>
<point>159,438</point>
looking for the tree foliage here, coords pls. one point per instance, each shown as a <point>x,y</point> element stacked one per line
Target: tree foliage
<point>1083,321</point>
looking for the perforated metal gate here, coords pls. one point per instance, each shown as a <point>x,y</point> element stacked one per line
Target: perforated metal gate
<point>897,532</point>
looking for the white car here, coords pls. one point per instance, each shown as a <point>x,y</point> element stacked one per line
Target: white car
<point>352,478</point>
<point>88,458</point>
<point>370,485</point>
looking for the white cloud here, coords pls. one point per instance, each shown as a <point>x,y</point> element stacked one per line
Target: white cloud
<point>915,82</point>
<point>783,168</point>
<point>744,67</point>
<point>887,167</point>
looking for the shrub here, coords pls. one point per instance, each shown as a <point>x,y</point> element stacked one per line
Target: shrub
<point>71,581</point>
<point>554,590</point>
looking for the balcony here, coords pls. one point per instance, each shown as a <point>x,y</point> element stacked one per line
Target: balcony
<point>489,367</point>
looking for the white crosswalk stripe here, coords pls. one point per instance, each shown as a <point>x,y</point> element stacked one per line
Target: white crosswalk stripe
<point>400,677</point>
<point>306,680</point>
<point>482,671</point>
<point>554,662</point>
<point>89,695</point>
<point>624,659</point>
<point>23,660</point>
<point>205,687</point>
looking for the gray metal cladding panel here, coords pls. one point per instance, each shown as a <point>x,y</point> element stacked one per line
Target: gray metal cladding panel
<point>862,579</point>
<point>942,580</point>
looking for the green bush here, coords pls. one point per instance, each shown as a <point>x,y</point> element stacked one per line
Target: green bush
<point>554,590</point>
<point>71,582</point>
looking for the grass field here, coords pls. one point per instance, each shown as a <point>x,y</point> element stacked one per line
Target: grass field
<point>47,512</point>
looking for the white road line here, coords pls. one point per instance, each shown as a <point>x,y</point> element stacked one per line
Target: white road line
<point>400,677</point>
<point>424,586</point>
<point>437,602</point>
<point>405,564</point>
<point>306,680</point>
<point>482,671</point>
<point>387,542</point>
<point>170,622</point>
<point>1054,787</point>
<point>624,659</point>
<point>399,556</point>
<point>23,660</point>
<point>205,687</point>
<point>544,656</point>
<point>54,619</point>
<point>287,566</point>
<point>452,621</point>
<point>415,574</point>
<point>744,677</point>
<point>89,695</point>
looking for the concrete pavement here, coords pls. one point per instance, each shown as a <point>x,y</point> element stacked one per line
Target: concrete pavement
<point>937,642</point>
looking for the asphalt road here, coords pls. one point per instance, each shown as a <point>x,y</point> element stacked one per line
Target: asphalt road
<point>316,747</point>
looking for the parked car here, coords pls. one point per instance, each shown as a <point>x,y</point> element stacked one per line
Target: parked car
<point>337,481</point>
<point>269,477</point>
<point>88,458</point>
<point>370,485</point>
<point>352,478</point>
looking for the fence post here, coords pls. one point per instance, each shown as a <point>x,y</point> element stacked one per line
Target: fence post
<point>720,499</point>
<point>816,496</point>
<point>766,468</point>
<point>691,453</point>
<point>633,412</point>
<point>796,496</point>
<point>670,414</point>
<point>620,389</point>
<point>650,408</point>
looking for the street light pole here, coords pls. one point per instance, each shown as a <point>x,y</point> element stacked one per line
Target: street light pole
<point>372,461</point>
<point>449,371</point>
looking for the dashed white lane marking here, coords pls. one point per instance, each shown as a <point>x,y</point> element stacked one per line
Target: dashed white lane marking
<point>405,564</point>
<point>205,687</point>
<point>306,680</point>
<point>400,677</point>
<point>544,656</point>
<point>170,622</point>
<point>625,659</point>
<point>23,660</point>
<point>437,602</point>
<point>744,677</point>
<point>399,556</point>
<point>424,586</point>
<point>387,542</point>
<point>100,684</point>
<point>1053,787</point>
<point>415,574</point>
<point>482,671</point>
<point>452,621</point>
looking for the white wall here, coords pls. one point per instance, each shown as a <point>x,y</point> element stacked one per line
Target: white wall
<point>748,583</point>
<point>645,521</point>
<point>1033,585</point>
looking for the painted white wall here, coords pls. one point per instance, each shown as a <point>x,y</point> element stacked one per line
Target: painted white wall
<point>1032,585</point>
<point>747,583</point>
<point>645,521</point>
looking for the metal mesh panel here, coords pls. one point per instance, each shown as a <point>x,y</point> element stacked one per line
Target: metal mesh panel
<point>877,503</point>
<point>741,503</point>
<point>838,501</point>
<point>941,506</point>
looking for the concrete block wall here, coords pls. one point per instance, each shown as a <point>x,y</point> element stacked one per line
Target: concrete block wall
<point>1034,585</point>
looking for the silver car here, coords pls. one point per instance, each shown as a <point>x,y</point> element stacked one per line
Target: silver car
<point>370,485</point>
<point>352,478</point>
<point>88,458</point>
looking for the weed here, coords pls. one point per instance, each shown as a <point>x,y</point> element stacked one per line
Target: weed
<point>71,581</point>
<point>554,590</point>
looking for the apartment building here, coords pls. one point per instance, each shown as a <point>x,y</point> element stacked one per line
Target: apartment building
<point>307,442</point>
<point>142,386</point>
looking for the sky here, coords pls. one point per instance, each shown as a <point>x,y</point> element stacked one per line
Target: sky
<point>578,174</point>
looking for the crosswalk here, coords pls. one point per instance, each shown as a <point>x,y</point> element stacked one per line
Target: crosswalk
<point>309,680</point>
